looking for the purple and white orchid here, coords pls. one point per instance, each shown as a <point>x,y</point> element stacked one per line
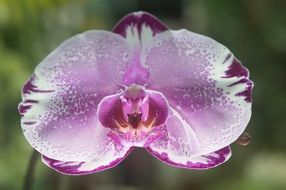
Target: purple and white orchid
<point>180,95</point>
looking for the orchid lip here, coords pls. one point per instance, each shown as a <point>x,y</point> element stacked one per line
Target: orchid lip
<point>134,112</point>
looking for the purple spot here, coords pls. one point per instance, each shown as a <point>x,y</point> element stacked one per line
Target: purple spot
<point>246,93</point>
<point>29,122</point>
<point>227,58</point>
<point>63,166</point>
<point>29,87</point>
<point>236,70</point>
<point>240,82</point>
<point>31,101</point>
<point>23,109</point>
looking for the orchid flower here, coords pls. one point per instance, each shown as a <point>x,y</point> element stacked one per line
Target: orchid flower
<point>180,95</point>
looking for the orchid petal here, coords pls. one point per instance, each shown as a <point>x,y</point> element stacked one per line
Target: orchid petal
<point>60,100</point>
<point>179,146</point>
<point>199,162</point>
<point>204,83</point>
<point>84,168</point>
<point>139,30</point>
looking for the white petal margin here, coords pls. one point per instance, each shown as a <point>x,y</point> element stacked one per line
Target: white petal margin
<point>84,168</point>
<point>204,83</point>
<point>60,100</point>
<point>198,163</point>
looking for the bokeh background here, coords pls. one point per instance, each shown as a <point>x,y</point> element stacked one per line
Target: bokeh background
<point>255,30</point>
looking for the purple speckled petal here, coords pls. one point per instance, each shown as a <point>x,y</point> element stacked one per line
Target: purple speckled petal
<point>199,162</point>
<point>60,100</point>
<point>204,83</point>
<point>84,168</point>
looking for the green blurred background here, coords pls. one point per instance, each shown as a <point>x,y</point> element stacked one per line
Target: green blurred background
<point>255,30</point>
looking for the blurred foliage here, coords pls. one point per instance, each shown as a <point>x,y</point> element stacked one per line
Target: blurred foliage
<point>254,30</point>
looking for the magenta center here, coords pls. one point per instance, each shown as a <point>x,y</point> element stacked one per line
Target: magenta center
<point>135,112</point>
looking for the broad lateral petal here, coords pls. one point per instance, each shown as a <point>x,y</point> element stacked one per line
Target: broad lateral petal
<point>198,163</point>
<point>205,83</point>
<point>83,168</point>
<point>61,98</point>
